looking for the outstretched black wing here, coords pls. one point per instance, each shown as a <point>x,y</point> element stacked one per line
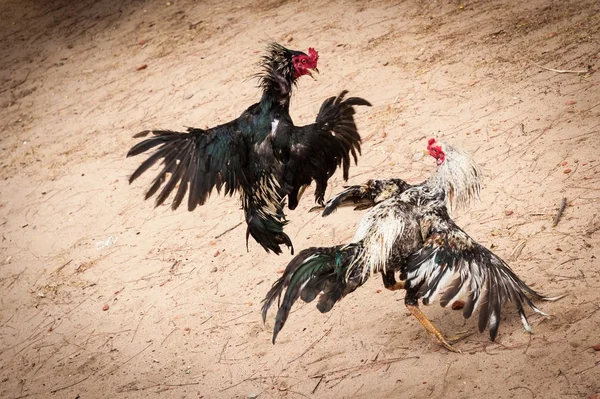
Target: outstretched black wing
<point>317,150</point>
<point>197,161</point>
<point>451,264</point>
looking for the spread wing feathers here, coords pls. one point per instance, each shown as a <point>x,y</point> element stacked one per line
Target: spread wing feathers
<point>263,209</point>
<point>357,196</point>
<point>366,195</point>
<point>197,161</point>
<point>317,150</point>
<point>312,271</point>
<point>453,265</point>
<point>335,125</point>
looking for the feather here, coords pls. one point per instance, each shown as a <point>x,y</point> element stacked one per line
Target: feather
<point>317,150</point>
<point>367,195</point>
<point>312,271</point>
<point>452,263</point>
<point>459,177</point>
<point>451,292</point>
<point>163,137</point>
<point>163,152</point>
<point>408,229</point>
<point>231,157</point>
<point>177,170</point>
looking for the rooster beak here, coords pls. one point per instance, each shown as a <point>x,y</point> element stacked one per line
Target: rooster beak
<point>310,73</point>
<point>425,152</point>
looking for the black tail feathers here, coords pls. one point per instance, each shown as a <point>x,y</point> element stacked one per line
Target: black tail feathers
<point>312,272</point>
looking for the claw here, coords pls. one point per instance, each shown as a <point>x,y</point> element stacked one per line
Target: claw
<point>459,337</point>
<point>430,328</point>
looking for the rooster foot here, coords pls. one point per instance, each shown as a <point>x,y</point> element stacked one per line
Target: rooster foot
<point>459,337</point>
<point>444,342</point>
<point>430,328</point>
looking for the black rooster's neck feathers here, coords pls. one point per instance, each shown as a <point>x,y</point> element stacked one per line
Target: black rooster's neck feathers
<point>276,78</point>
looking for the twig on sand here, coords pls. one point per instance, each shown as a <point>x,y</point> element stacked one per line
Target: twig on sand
<point>238,317</point>
<point>517,250</point>
<point>168,335</point>
<point>579,72</point>
<point>126,361</point>
<point>448,369</point>
<point>376,363</point>
<point>228,230</point>
<point>359,388</point>
<point>70,385</point>
<point>140,322</point>
<point>560,372</point>
<point>19,83</point>
<point>529,389</point>
<point>62,267</point>
<point>589,368</point>
<point>244,380</point>
<point>311,346</point>
<point>75,307</point>
<point>561,209</point>
<point>318,383</point>
<point>180,385</point>
<point>223,350</point>
<point>164,387</point>
<point>528,345</point>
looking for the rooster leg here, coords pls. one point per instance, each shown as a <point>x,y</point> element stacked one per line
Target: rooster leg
<point>415,311</point>
<point>398,286</point>
<point>389,281</point>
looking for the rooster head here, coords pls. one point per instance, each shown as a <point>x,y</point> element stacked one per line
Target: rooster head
<point>435,150</point>
<point>281,68</point>
<point>457,174</point>
<point>303,63</point>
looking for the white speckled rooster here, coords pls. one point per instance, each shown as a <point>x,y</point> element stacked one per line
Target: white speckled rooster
<point>408,230</point>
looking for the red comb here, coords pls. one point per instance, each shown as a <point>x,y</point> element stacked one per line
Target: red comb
<point>431,141</point>
<point>313,54</point>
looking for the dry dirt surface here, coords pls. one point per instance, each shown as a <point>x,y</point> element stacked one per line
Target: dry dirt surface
<point>104,296</point>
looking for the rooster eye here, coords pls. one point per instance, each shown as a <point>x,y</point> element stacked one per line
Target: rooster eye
<point>304,60</point>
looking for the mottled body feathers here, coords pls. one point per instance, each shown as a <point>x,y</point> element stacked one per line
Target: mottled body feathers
<point>408,230</point>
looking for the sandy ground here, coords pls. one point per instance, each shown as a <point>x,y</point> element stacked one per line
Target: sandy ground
<point>183,295</point>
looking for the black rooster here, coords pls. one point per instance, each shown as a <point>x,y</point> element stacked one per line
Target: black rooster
<point>261,153</point>
<point>408,230</point>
